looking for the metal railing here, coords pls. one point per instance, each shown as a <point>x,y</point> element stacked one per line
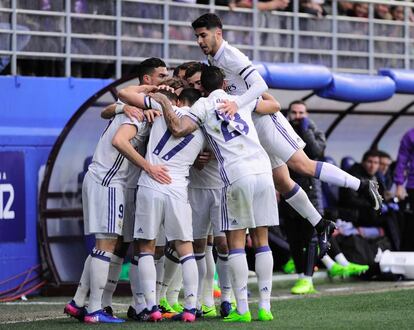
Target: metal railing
<point>124,32</point>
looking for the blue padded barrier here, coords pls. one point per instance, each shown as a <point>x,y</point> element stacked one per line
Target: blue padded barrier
<point>358,88</point>
<point>294,76</point>
<point>404,79</point>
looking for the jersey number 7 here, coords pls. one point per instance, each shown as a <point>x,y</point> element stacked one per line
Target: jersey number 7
<point>170,154</point>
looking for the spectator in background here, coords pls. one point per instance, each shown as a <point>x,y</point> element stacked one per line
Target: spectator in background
<point>397,13</point>
<point>382,11</point>
<point>345,8</point>
<point>300,233</point>
<point>355,207</point>
<point>313,7</point>
<point>404,170</point>
<point>384,175</point>
<point>359,10</point>
<point>261,4</point>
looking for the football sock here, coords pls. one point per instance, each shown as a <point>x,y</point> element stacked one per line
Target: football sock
<point>300,202</point>
<point>334,175</point>
<point>190,280</point>
<point>138,299</point>
<point>174,288</point>
<point>114,270</point>
<point>171,267</point>
<point>341,259</point>
<point>264,271</point>
<point>83,286</point>
<point>223,271</point>
<point>147,277</point>
<point>159,268</point>
<point>327,261</point>
<point>239,274</point>
<point>98,277</point>
<point>202,271</point>
<point>208,288</point>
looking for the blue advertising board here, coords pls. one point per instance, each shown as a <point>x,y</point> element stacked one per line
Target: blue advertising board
<point>12,197</point>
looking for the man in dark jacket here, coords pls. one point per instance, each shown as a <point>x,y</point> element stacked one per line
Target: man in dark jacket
<point>300,234</point>
<point>355,208</point>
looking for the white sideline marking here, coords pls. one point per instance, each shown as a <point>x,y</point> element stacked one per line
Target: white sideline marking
<point>35,319</point>
<point>48,303</point>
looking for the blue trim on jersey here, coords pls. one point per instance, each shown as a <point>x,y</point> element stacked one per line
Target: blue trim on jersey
<point>113,209</point>
<point>242,71</point>
<point>224,215</point>
<point>250,72</point>
<point>284,132</point>
<point>114,169</point>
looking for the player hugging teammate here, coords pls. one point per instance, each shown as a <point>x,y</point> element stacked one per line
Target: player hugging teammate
<point>184,163</point>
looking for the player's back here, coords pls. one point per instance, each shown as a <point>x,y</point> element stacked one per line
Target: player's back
<point>234,141</point>
<point>109,167</point>
<point>177,154</point>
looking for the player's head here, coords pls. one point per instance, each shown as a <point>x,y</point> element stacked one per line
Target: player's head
<point>193,75</point>
<point>152,71</point>
<point>188,97</point>
<point>212,78</point>
<point>297,111</point>
<point>370,162</point>
<point>175,83</point>
<point>209,33</point>
<point>180,70</point>
<point>171,96</point>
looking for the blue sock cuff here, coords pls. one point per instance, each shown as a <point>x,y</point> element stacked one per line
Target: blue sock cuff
<point>293,192</point>
<point>237,251</point>
<point>318,169</point>
<point>199,256</point>
<point>262,249</point>
<point>142,255</point>
<point>223,257</point>
<point>99,254</point>
<point>184,259</point>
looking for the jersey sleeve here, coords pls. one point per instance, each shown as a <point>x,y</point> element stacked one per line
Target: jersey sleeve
<point>198,112</point>
<point>127,121</point>
<point>150,103</point>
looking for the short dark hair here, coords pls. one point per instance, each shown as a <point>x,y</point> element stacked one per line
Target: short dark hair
<point>383,154</point>
<point>174,82</point>
<point>183,66</point>
<point>193,69</point>
<point>189,95</point>
<point>208,21</point>
<point>296,102</point>
<point>148,66</point>
<point>212,78</point>
<point>369,154</point>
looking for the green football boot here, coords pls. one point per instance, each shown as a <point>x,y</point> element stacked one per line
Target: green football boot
<point>178,307</point>
<point>289,267</point>
<point>356,269</point>
<point>209,311</point>
<point>338,270</point>
<point>234,316</point>
<point>265,315</point>
<point>303,286</point>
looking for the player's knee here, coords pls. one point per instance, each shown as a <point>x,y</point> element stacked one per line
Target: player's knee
<point>199,245</point>
<point>221,245</point>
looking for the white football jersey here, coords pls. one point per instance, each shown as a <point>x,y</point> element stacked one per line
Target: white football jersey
<point>109,167</point>
<point>239,70</point>
<point>177,154</point>
<point>207,178</point>
<point>235,142</point>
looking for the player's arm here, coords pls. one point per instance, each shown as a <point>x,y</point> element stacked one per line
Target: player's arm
<point>121,142</point>
<point>135,95</point>
<point>119,107</point>
<point>179,127</point>
<point>267,105</point>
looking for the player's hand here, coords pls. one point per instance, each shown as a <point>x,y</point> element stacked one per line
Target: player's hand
<point>160,98</point>
<point>202,159</point>
<point>159,173</point>
<point>228,108</point>
<point>148,88</point>
<point>400,192</point>
<point>133,112</point>
<point>166,88</point>
<point>151,114</point>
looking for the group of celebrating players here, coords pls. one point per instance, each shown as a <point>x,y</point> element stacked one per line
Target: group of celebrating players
<point>183,159</point>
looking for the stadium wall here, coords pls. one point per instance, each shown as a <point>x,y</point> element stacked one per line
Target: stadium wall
<point>33,112</point>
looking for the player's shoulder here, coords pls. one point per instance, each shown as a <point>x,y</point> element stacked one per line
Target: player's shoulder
<point>234,55</point>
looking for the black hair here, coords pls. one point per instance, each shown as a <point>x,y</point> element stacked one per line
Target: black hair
<point>194,68</point>
<point>183,66</point>
<point>369,154</point>
<point>148,66</point>
<point>212,78</point>
<point>208,21</point>
<point>189,95</point>
<point>296,102</point>
<point>383,154</point>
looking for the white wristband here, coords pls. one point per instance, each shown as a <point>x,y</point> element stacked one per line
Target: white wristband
<point>119,108</point>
